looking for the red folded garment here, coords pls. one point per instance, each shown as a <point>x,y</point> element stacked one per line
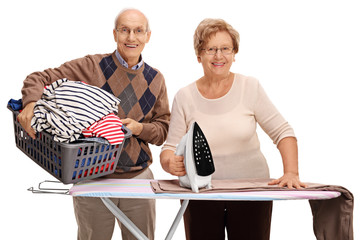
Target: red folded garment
<point>108,127</point>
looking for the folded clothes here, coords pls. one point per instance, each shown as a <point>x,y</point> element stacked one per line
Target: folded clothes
<point>225,185</point>
<point>67,107</point>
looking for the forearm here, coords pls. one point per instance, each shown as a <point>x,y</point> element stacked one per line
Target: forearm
<point>76,70</point>
<point>25,117</point>
<point>289,153</point>
<point>34,83</point>
<point>154,132</point>
<point>165,157</point>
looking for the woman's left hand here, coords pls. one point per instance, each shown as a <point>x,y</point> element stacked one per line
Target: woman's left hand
<point>290,180</point>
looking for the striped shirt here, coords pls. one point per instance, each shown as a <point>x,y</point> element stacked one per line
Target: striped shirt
<point>108,127</point>
<point>67,107</point>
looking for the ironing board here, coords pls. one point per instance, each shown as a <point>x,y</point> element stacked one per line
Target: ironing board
<point>141,188</point>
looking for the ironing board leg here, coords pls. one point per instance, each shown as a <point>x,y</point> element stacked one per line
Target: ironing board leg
<point>177,219</point>
<point>124,219</point>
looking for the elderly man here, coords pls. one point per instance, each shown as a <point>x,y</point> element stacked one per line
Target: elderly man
<point>144,109</point>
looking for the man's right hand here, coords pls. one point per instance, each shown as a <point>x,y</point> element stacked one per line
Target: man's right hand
<point>25,117</point>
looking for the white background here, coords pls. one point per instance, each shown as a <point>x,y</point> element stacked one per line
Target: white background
<point>306,55</point>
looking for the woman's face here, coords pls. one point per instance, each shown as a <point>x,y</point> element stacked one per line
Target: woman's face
<point>219,64</point>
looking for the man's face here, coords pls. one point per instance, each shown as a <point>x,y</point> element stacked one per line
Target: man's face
<point>131,36</point>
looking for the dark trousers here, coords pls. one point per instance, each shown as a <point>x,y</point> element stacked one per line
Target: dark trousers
<point>248,220</point>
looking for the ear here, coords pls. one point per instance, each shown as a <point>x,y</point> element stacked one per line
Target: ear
<point>199,59</point>
<point>148,36</point>
<point>115,35</point>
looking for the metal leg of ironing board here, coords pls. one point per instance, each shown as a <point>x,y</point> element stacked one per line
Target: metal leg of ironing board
<point>124,219</point>
<point>177,219</point>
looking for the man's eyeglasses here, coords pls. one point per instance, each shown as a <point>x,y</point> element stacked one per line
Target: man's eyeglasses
<point>125,31</point>
<point>214,50</point>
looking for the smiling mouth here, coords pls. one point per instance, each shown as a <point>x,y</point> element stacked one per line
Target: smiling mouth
<point>131,45</point>
<point>218,64</point>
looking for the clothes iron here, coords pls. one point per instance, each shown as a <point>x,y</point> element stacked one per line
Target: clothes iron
<point>198,161</point>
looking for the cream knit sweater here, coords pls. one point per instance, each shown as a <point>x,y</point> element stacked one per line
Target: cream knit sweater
<point>229,124</point>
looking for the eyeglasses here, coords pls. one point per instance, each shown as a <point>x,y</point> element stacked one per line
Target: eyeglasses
<point>125,31</point>
<point>214,50</point>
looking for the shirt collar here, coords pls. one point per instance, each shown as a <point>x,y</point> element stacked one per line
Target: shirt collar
<point>125,64</point>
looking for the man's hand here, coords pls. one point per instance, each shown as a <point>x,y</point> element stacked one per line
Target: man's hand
<point>135,127</point>
<point>25,119</point>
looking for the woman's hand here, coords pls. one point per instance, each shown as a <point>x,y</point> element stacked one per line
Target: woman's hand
<point>25,117</point>
<point>289,154</point>
<point>172,163</point>
<point>289,180</point>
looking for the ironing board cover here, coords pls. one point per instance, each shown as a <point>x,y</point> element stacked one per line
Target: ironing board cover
<point>146,188</point>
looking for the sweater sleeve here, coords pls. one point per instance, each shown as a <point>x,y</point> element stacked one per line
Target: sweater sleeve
<point>178,126</point>
<point>155,131</point>
<point>269,118</point>
<point>76,70</point>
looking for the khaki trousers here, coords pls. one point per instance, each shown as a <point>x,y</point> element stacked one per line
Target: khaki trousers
<point>96,222</point>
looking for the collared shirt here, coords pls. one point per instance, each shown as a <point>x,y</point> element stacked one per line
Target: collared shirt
<point>125,64</point>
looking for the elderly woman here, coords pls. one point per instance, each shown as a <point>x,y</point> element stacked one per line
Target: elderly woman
<point>228,106</point>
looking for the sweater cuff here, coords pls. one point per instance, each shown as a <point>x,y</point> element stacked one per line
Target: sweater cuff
<point>26,101</point>
<point>284,136</point>
<point>146,132</point>
<point>168,147</point>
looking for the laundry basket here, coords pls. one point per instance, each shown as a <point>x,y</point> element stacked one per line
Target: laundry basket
<point>69,162</point>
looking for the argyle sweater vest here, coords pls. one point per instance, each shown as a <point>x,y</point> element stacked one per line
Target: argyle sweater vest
<point>142,94</point>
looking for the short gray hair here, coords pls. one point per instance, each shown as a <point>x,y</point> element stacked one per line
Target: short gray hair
<point>127,9</point>
<point>209,27</point>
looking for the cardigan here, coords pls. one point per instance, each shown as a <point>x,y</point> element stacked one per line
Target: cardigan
<point>142,94</point>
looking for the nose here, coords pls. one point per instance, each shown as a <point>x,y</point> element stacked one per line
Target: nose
<point>218,53</point>
<point>131,36</point>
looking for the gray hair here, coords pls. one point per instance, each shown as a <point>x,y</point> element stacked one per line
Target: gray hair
<point>128,9</point>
